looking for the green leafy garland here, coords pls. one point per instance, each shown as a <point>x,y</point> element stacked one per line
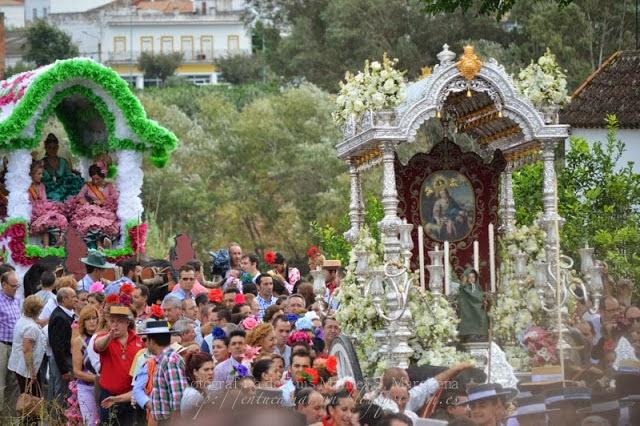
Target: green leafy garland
<point>160,141</point>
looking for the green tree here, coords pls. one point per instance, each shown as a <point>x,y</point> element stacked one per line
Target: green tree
<point>257,172</point>
<point>598,198</point>
<point>161,65</point>
<point>46,44</point>
<point>243,68</point>
<point>482,7</point>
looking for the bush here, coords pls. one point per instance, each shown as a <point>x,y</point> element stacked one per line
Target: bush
<point>242,69</point>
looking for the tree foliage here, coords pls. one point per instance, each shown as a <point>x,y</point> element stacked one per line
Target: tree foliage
<point>46,44</point>
<point>159,65</point>
<point>599,200</point>
<point>325,38</point>
<point>242,68</point>
<point>483,7</point>
<point>258,174</point>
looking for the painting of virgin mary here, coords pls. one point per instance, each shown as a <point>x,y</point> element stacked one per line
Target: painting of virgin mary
<point>447,206</point>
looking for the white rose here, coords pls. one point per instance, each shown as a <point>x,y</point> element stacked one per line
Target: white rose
<point>378,99</point>
<point>375,65</point>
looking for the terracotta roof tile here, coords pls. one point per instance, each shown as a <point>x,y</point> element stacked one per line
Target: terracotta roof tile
<point>614,88</point>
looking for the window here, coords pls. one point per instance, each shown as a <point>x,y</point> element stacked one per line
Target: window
<point>119,46</point>
<point>186,47</point>
<point>206,47</point>
<point>146,44</point>
<point>233,43</point>
<point>166,44</point>
<point>224,5</point>
<point>199,79</point>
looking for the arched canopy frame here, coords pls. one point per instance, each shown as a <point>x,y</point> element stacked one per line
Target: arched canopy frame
<point>28,99</point>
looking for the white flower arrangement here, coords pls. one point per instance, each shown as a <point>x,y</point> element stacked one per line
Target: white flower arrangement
<point>378,87</point>
<point>544,82</point>
<point>434,321</point>
<point>517,306</point>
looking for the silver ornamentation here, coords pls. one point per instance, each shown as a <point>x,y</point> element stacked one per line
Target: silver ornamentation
<point>446,56</point>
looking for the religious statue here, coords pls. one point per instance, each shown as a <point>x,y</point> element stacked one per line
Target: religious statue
<point>472,309</point>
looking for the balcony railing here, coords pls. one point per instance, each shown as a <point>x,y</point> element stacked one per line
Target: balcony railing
<point>189,57</point>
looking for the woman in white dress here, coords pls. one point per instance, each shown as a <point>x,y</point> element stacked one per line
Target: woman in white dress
<point>28,347</point>
<point>199,370</point>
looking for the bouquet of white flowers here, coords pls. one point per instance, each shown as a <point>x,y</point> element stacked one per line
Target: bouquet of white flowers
<point>544,82</point>
<point>378,87</point>
<point>434,321</point>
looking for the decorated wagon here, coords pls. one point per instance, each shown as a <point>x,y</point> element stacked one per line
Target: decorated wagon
<point>105,123</point>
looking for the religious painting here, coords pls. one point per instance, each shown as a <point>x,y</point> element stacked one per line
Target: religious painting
<point>447,206</point>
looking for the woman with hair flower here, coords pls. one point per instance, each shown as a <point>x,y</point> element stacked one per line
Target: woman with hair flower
<point>264,337</point>
<point>281,271</point>
<point>46,216</point>
<point>94,213</point>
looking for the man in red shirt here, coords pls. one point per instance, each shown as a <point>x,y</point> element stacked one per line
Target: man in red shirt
<point>117,349</point>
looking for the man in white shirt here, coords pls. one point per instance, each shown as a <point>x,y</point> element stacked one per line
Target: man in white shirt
<point>419,394</point>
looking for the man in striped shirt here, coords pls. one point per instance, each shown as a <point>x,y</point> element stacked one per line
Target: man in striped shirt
<point>169,379</point>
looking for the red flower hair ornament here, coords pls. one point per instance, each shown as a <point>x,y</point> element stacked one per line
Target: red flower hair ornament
<point>332,365</point>
<point>270,257</point>
<point>313,251</point>
<point>127,289</point>
<point>309,375</point>
<point>112,298</point>
<point>215,295</point>
<point>157,312</point>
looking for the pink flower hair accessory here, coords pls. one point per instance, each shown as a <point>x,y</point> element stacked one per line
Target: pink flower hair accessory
<point>249,323</point>
<point>96,287</point>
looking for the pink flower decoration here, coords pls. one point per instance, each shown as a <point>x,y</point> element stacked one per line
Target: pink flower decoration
<point>96,287</point>
<point>249,323</point>
<point>250,353</point>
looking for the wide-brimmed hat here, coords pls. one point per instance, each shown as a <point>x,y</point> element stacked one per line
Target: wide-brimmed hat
<point>486,391</point>
<point>601,403</point>
<point>332,264</point>
<point>121,310</point>
<point>532,405</point>
<point>156,327</point>
<point>574,395</point>
<point>544,379</point>
<point>96,259</point>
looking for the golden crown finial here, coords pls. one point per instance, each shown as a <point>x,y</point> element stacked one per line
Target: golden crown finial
<point>424,72</point>
<point>469,64</point>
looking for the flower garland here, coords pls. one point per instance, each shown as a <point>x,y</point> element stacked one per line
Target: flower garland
<point>434,321</point>
<point>14,233</point>
<point>36,87</point>
<point>517,305</point>
<point>544,83</point>
<point>379,87</point>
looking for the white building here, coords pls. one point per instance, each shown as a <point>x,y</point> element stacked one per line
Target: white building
<point>13,13</point>
<point>116,34</point>
<point>613,88</point>
<point>36,9</point>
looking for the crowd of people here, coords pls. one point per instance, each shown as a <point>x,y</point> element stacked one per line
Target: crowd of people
<point>103,353</point>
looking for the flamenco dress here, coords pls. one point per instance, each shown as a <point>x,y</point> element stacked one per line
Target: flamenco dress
<point>95,218</point>
<point>46,216</point>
